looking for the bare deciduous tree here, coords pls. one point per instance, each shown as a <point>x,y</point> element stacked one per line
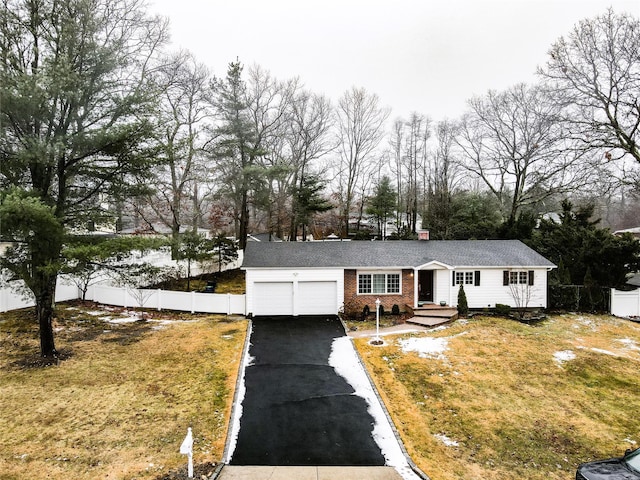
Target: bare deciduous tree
<point>514,141</point>
<point>361,122</point>
<point>595,72</point>
<point>185,109</point>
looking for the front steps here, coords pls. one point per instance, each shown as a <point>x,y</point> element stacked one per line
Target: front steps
<point>431,315</point>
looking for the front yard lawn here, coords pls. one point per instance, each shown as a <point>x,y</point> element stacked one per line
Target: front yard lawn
<point>494,398</point>
<point>119,403</point>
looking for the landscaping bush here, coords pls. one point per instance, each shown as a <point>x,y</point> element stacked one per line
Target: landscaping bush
<point>365,313</point>
<point>503,310</point>
<point>381,310</point>
<point>395,310</point>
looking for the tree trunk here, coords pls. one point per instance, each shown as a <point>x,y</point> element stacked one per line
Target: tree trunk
<point>244,220</point>
<point>44,315</point>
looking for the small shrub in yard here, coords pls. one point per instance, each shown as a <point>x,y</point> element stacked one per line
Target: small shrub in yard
<point>381,310</point>
<point>503,310</point>
<point>463,307</point>
<point>395,310</point>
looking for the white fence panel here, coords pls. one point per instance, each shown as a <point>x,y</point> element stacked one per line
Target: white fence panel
<point>237,304</point>
<point>16,296</point>
<point>123,297</point>
<point>625,304</point>
<point>107,295</point>
<point>66,291</point>
<point>182,301</point>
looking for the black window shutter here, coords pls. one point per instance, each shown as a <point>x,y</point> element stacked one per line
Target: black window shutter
<point>476,278</point>
<point>453,278</point>
<point>505,277</point>
<point>531,275</point>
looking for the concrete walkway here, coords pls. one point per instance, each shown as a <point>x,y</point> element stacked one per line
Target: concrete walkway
<point>393,330</point>
<point>231,472</point>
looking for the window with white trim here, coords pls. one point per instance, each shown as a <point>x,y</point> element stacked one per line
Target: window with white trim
<point>518,277</point>
<point>378,283</point>
<point>464,278</point>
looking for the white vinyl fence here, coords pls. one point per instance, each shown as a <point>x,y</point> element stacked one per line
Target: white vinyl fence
<point>15,295</point>
<point>11,299</point>
<point>168,300</point>
<point>625,304</point>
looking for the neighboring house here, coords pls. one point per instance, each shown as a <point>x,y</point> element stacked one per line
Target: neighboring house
<point>262,237</point>
<point>306,278</point>
<point>633,231</point>
<point>634,280</point>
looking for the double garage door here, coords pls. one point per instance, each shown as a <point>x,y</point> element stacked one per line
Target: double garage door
<point>281,298</point>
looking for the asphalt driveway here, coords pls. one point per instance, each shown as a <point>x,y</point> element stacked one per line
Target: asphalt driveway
<point>297,410</point>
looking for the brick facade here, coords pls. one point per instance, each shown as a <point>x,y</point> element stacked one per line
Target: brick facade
<point>354,303</point>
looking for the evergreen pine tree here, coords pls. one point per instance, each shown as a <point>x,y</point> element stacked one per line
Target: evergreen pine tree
<point>463,307</point>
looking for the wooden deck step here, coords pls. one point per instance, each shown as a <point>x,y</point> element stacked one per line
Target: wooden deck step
<point>430,321</point>
<point>435,312</point>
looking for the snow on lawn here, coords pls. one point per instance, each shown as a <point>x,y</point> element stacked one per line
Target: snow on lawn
<point>446,440</point>
<point>426,347</point>
<point>629,343</point>
<point>564,356</point>
<point>345,361</point>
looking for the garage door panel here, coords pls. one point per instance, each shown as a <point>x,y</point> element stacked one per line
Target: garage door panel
<point>317,298</point>
<point>273,298</point>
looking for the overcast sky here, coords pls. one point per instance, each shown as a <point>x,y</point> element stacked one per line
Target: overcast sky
<point>416,55</point>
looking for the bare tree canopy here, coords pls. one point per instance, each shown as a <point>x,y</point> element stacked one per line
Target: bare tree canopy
<point>595,72</point>
<point>184,111</point>
<point>514,142</point>
<point>361,122</point>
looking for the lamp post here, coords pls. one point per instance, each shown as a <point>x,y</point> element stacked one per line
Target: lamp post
<point>378,321</point>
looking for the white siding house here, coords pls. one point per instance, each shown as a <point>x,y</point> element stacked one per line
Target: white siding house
<point>307,278</point>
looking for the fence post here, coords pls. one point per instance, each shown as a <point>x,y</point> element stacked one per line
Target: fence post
<point>228,304</point>
<point>159,299</point>
<point>193,302</point>
<point>612,301</point>
<point>638,295</point>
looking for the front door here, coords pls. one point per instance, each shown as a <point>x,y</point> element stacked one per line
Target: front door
<point>425,286</point>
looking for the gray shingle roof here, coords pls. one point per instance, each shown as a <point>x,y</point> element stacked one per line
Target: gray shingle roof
<point>407,254</point>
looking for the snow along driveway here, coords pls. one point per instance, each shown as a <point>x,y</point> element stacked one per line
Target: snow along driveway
<point>308,401</point>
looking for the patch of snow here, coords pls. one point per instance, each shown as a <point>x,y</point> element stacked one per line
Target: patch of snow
<point>446,440</point>
<point>606,352</point>
<point>237,411</point>
<point>345,361</point>
<point>629,343</point>
<point>426,347</point>
<point>121,319</point>
<point>586,322</point>
<point>564,356</point>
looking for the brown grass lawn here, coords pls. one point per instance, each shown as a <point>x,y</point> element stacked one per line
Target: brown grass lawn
<point>514,410</point>
<point>119,403</point>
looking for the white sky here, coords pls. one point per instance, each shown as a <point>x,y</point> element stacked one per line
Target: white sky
<point>416,55</point>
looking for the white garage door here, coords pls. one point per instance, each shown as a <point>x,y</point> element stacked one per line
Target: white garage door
<point>317,298</point>
<point>273,298</point>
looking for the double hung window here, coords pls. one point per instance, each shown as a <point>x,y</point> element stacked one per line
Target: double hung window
<point>378,283</point>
